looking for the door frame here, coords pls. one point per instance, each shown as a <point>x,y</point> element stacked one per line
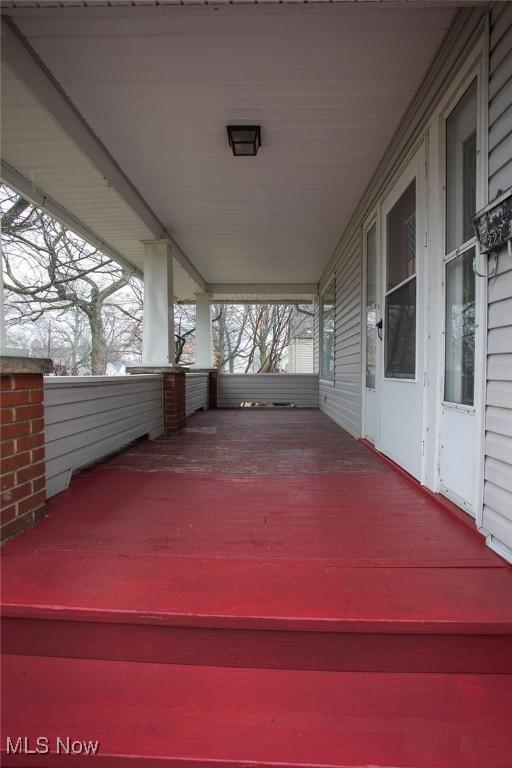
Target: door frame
<point>370,221</point>
<point>475,68</point>
<point>415,169</point>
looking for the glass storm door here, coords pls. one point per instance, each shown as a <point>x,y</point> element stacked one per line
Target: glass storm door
<point>401,334</point>
<point>458,454</point>
<point>370,395</point>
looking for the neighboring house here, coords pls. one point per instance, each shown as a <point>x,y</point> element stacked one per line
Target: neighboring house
<point>298,355</point>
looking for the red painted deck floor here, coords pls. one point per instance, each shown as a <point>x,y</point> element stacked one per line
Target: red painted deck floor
<point>260,590</point>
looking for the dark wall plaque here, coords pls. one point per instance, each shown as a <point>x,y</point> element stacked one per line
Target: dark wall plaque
<point>493,224</point>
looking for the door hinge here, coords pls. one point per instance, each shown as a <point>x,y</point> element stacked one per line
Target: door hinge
<point>422,447</point>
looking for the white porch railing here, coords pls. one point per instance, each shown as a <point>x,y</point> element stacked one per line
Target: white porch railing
<point>196,392</point>
<point>299,389</point>
<point>88,417</point>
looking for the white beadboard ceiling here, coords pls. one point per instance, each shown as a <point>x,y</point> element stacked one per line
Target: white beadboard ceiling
<point>327,83</point>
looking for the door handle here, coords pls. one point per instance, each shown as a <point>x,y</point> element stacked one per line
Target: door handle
<point>379,328</point>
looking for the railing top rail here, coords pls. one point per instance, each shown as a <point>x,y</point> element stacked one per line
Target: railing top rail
<point>277,375</point>
<point>80,381</point>
<point>197,373</point>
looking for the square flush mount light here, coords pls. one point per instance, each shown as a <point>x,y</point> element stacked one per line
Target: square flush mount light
<point>244,139</point>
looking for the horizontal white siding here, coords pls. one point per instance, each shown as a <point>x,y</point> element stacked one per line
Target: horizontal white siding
<point>341,400</point>
<point>88,417</point>
<point>316,336</point>
<point>300,356</point>
<point>299,389</point>
<point>500,100</point>
<point>497,511</point>
<point>196,392</point>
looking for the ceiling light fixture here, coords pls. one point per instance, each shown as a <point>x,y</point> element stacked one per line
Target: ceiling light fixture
<point>244,139</point>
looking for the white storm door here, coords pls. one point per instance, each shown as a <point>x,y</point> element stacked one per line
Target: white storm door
<point>401,332</point>
<point>370,321</point>
<point>458,460</point>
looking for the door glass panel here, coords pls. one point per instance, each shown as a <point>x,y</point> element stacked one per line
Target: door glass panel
<point>328,305</point>
<point>459,380</point>
<point>401,238</point>
<point>400,348</point>
<point>461,170</point>
<point>371,309</point>
<point>400,310</point>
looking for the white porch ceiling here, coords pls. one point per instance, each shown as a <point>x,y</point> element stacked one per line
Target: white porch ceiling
<point>329,85</point>
<point>43,157</point>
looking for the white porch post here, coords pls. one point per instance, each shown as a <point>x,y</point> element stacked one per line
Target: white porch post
<point>3,340</point>
<point>158,323</point>
<point>204,351</point>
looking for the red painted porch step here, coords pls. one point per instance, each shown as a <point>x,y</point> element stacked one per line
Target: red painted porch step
<point>291,614</point>
<point>167,715</point>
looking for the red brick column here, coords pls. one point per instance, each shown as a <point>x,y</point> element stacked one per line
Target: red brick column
<point>212,389</point>
<point>22,468</point>
<point>174,406</point>
<point>174,402</point>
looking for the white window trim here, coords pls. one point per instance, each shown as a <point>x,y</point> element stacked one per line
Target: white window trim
<point>331,283</point>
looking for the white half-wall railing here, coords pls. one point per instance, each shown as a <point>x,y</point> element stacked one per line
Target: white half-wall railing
<point>298,389</point>
<point>196,392</point>
<point>89,417</point>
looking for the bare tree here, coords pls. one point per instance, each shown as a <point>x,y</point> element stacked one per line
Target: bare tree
<point>86,311</point>
<point>48,268</point>
<point>253,337</point>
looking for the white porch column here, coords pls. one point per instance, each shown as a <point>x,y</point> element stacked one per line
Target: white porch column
<point>3,340</point>
<point>204,346</point>
<point>158,323</point>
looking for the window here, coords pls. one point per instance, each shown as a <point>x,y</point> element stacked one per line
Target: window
<point>461,170</point>
<point>371,305</point>
<point>461,174</point>
<point>327,329</point>
<point>400,309</point>
<point>460,329</point>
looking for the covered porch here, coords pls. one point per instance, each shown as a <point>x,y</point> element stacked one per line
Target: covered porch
<point>311,586</point>
<point>261,589</point>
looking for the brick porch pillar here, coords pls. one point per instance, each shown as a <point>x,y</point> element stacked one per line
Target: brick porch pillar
<point>174,402</point>
<point>213,377</point>
<point>174,406</point>
<point>22,470</point>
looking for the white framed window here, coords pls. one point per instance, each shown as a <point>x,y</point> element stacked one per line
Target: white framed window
<point>460,250</point>
<point>328,331</point>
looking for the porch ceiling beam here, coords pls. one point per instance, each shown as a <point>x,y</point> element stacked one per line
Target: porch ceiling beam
<point>26,64</point>
<point>38,197</point>
<point>281,289</point>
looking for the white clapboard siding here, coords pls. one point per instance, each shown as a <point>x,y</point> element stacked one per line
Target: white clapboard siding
<point>196,392</point>
<point>500,99</point>
<point>341,399</point>
<point>497,512</point>
<point>88,417</point>
<point>236,388</point>
<point>300,355</point>
<point>316,336</point>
